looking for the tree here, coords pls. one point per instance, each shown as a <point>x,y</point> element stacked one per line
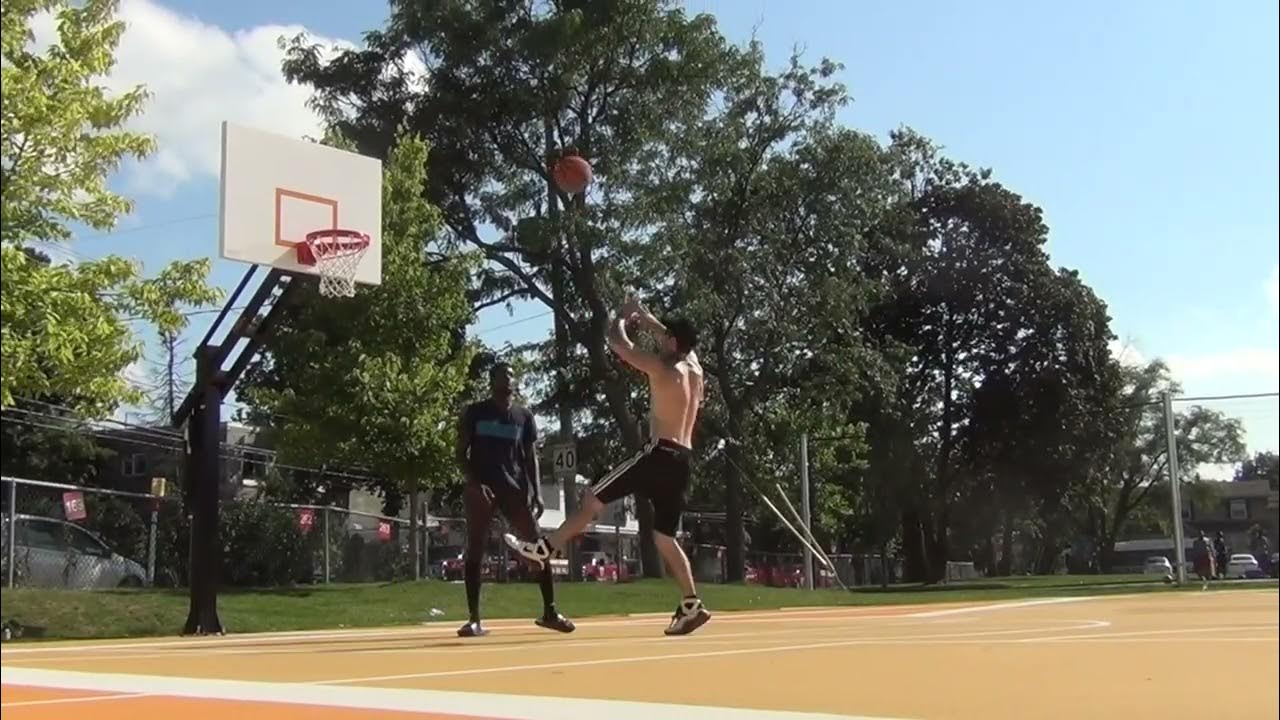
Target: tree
<point>750,208</point>
<point>371,381</point>
<point>64,329</point>
<point>1264,465</point>
<point>1135,459</point>
<point>41,441</point>
<point>511,84</point>
<point>975,249</point>
<point>1033,420</point>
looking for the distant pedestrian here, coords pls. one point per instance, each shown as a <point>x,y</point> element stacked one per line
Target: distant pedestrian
<point>1222,552</point>
<point>1202,559</point>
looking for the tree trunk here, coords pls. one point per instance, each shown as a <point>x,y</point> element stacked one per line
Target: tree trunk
<point>916,565</point>
<point>939,547</point>
<point>734,528</point>
<point>1005,567</point>
<point>884,564</point>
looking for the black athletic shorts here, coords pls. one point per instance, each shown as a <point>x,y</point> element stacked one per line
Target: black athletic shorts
<point>659,472</point>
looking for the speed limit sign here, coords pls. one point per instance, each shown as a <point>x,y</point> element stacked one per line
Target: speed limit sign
<point>564,460</point>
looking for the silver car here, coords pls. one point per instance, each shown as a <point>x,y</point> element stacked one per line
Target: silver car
<point>54,553</point>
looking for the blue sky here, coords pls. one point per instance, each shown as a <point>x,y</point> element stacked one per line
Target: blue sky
<point>1147,131</point>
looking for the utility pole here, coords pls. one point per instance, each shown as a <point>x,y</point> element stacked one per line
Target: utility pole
<point>170,381</point>
<point>1175,490</point>
<point>561,343</point>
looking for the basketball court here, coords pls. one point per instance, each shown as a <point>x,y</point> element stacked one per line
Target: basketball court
<point>1168,655</point>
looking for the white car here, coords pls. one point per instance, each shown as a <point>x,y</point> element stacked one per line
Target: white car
<point>1242,565</point>
<point>1157,565</point>
<point>54,553</point>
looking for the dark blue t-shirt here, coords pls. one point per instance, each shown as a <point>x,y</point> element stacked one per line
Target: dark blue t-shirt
<point>501,441</point>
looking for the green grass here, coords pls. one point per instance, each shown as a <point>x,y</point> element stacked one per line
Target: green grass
<point>138,613</point>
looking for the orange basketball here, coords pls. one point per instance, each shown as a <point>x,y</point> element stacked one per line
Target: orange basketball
<point>572,174</point>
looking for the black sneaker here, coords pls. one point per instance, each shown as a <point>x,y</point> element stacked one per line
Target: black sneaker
<point>690,615</point>
<point>553,620</point>
<point>472,629</point>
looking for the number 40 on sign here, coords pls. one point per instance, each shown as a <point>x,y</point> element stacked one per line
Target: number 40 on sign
<point>564,460</point>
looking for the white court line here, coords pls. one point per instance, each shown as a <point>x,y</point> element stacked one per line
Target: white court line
<point>464,704</point>
<point>442,628</point>
<point>64,701</point>
<point>465,647</point>
<point>1006,606</point>
<point>1141,633</point>
<point>915,639</point>
<point>433,629</point>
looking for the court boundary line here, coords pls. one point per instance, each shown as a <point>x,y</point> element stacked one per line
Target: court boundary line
<point>65,701</point>
<point>545,643</point>
<point>979,636</point>
<point>448,628</point>
<point>465,704</point>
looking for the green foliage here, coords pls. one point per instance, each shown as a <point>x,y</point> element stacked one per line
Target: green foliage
<point>60,137</point>
<point>37,444</point>
<point>64,327</point>
<point>884,294</point>
<point>1262,466</point>
<point>262,546</point>
<point>65,331</point>
<point>370,381</point>
<point>1135,457</point>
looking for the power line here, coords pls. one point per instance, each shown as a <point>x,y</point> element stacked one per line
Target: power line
<point>1244,396</point>
<point>148,226</point>
<point>530,318</point>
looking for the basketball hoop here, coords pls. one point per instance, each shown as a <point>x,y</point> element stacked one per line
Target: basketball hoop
<point>336,255</point>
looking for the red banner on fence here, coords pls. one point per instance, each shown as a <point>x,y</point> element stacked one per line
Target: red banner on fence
<point>306,519</point>
<point>384,531</point>
<point>73,506</point>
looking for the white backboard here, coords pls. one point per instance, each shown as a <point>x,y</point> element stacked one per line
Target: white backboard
<point>277,189</point>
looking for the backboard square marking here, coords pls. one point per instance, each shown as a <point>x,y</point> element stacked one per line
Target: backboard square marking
<point>330,207</point>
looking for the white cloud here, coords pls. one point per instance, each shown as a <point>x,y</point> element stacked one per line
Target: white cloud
<point>1273,290</point>
<point>1241,363</point>
<point>199,75</point>
<point>1127,353</point>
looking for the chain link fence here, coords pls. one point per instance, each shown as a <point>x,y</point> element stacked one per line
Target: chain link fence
<point>82,538</point>
<point>72,537</point>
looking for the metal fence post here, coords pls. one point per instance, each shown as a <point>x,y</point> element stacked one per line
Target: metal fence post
<point>804,508</point>
<point>151,542</point>
<point>13,529</point>
<point>326,544</point>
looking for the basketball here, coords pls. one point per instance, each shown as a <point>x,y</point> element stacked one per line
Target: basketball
<point>572,174</point>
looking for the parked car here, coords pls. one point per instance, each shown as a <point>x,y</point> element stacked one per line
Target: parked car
<point>1157,565</point>
<point>599,566</point>
<point>54,553</point>
<point>1242,565</point>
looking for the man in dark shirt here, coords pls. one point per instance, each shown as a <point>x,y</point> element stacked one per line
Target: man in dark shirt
<point>497,456</point>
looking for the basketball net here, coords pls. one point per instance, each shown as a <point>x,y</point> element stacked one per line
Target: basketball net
<point>336,255</point>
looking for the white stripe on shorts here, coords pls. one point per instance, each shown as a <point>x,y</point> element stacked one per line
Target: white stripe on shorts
<point>624,466</point>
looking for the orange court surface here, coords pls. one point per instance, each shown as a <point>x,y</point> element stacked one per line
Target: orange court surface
<point>1205,655</point>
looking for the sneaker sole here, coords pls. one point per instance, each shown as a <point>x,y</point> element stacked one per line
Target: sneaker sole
<point>700,620</point>
<point>557,628</point>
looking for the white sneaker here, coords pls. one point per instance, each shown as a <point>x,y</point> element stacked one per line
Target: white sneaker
<point>690,615</point>
<point>538,551</point>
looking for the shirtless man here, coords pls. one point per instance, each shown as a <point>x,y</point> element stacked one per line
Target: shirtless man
<point>660,471</point>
